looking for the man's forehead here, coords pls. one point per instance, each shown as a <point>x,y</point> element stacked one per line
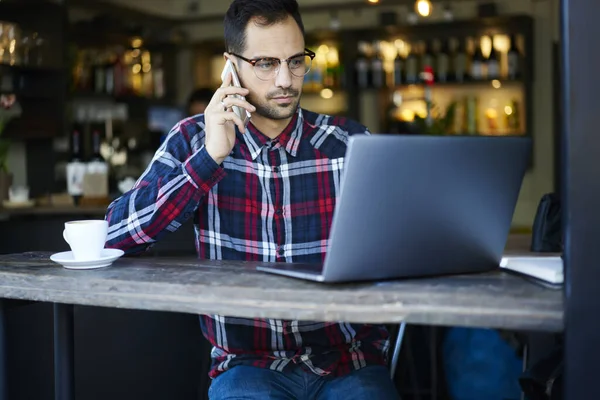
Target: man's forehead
<point>275,39</point>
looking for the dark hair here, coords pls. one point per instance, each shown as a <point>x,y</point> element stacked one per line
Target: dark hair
<point>200,95</point>
<point>267,12</point>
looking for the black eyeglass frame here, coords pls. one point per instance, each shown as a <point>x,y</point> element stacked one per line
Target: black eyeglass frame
<point>253,62</point>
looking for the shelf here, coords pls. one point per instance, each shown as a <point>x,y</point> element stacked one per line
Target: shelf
<point>32,69</point>
<point>53,210</point>
<point>466,84</point>
<point>29,127</point>
<point>457,28</point>
<point>81,95</point>
<point>22,95</point>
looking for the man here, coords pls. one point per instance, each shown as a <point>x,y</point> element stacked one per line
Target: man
<point>266,192</point>
<point>198,100</point>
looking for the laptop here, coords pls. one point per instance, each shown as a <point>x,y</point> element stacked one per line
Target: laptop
<point>417,205</point>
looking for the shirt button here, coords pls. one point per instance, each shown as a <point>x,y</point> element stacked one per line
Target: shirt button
<point>279,211</point>
<point>280,251</point>
<point>275,169</point>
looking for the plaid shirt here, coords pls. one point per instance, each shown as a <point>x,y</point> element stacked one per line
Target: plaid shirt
<point>270,200</point>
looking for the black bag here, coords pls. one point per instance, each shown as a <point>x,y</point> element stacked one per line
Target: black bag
<point>544,380</point>
<point>547,233</point>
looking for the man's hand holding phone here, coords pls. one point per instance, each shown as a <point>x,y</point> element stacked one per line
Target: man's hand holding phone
<point>221,119</point>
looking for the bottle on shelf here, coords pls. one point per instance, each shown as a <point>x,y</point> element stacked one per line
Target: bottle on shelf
<point>96,179</point>
<point>378,75</point>
<point>146,72</point>
<point>96,159</point>
<point>477,62</point>
<point>136,72</point>
<point>512,117</point>
<point>459,61</point>
<point>442,65</point>
<point>109,73</point>
<point>158,77</point>
<point>99,68</point>
<point>492,62</point>
<point>83,79</point>
<point>318,75</point>
<point>514,59</point>
<point>491,118</point>
<point>76,166</point>
<point>426,56</point>
<point>330,78</point>
<point>458,123</point>
<point>119,74</point>
<point>412,67</point>
<point>471,114</point>
<point>399,63</point>
<point>362,67</point>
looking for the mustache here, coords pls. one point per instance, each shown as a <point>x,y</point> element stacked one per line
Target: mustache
<point>287,93</point>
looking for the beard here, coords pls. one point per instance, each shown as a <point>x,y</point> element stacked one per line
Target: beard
<point>276,111</point>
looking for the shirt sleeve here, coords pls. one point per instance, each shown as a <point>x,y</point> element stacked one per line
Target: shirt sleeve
<point>167,194</point>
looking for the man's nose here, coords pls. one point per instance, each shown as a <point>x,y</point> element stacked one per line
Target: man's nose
<point>284,76</point>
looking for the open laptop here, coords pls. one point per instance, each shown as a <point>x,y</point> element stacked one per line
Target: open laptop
<point>413,205</point>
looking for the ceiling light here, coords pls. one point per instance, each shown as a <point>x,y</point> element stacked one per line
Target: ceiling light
<point>373,1</point>
<point>423,7</point>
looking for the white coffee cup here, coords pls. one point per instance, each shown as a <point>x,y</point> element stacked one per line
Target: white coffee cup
<point>86,238</point>
<point>18,194</point>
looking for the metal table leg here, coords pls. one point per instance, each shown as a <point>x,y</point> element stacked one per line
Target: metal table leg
<point>3,355</point>
<point>64,377</point>
<point>397,348</point>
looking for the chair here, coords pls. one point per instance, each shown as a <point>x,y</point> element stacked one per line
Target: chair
<point>397,347</point>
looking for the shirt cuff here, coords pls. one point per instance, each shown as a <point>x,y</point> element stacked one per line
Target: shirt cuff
<point>202,171</point>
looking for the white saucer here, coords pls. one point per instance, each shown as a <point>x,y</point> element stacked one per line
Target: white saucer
<point>107,257</point>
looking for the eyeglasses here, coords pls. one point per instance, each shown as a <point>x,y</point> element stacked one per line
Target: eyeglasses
<point>268,67</point>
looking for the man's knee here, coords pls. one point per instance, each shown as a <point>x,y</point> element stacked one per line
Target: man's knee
<point>249,383</point>
<point>367,383</point>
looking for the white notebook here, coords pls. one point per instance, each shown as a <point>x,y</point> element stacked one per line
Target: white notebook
<point>546,268</point>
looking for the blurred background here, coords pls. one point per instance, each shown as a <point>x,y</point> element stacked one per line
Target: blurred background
<point>103,81</point>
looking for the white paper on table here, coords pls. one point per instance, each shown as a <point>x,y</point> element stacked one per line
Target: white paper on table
<point>546,268</point>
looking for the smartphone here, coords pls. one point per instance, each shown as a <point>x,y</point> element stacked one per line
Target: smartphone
<point>235,81</point>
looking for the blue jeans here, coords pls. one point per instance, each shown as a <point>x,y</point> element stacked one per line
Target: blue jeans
<point>253,383</point>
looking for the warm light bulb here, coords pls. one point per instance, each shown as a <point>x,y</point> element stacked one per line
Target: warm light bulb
<point>423,7</point>
<point>136,42</point>
<point>327,93</point>
<point>373,1</point>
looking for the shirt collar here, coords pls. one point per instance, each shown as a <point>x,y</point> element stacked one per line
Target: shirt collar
<point>288,139</point>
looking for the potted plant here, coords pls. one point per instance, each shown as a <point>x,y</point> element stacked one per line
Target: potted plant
<point>9,109</point>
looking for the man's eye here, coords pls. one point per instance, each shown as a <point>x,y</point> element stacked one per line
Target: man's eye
<point>296,62</point>
<point>265,64</point>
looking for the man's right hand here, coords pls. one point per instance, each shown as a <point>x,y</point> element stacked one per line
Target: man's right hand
<point>220,120</point>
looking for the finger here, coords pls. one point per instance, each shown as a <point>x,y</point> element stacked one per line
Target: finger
<point>231,90</point>
<point>230,116</point>
<point>227,80</point>
<point>229,102</point>
<point>221,93</point>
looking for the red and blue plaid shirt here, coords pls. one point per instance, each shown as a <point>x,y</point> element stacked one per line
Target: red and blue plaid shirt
<point>270,200</point>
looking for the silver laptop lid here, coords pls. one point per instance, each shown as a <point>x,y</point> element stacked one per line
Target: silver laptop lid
<point>415,205</point>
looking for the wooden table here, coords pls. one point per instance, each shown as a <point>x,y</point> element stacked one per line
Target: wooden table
<point>494,300</point>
